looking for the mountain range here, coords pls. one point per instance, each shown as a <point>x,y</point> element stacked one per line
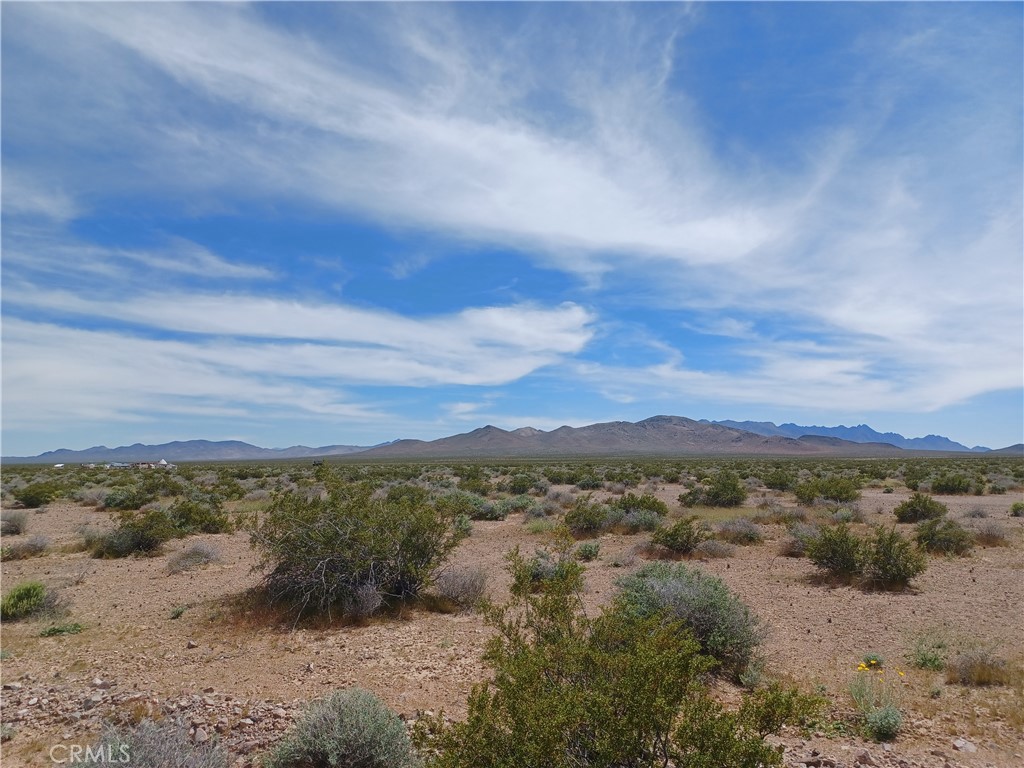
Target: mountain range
<point>658,435</point>
<point>859,434</point>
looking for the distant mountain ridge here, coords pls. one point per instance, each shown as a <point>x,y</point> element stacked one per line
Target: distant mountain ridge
<point>862,433</point>
<point>183,450</point>
<point>658,435</point>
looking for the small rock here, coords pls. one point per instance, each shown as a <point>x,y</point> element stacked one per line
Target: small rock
<point>191,644</point>
<point>101,684</point>
<point>963,745</point>
<point>210,689</point>
<point>201,736</point>
<point>12,686</point>
<point>279,713</point>
<point>92,701</point>
<point>863,758</point>
<point>33,701</point>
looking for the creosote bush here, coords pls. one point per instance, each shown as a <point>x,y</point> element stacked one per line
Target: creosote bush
<point>37,494</point>
<point>723,490</point>
<point>587,517</point>
<point>831,488</point>
<point>320,554</point>
<point>944,537</point>
<point>618,689</point>
<point>836,550</point>
<point>884,559</point>
<point>682,537</point>
<point>349,729</point>
<point>919,507</point>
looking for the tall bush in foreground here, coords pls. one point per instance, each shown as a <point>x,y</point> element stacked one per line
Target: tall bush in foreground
<point>619,689</point>
<point>326,554</point>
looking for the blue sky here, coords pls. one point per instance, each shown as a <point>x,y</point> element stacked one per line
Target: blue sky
<point>349,223</point>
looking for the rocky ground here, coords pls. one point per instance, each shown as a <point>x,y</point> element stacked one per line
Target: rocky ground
<point>157,644</point>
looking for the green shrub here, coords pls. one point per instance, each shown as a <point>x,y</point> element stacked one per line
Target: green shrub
<point>136,533</point>
<point>722,624</point>
<point>949,485</point>
<point>1017,509</point>
<point>630,502</point>
<point>889,560</point>
<point>350,728</point>
<point>62,629</point>
<point>471,505</point>
<point>723,490</point>
<point>30,598</point>
<point>779,480</point>
<point>683,536</point>
<point>919,507</point>
<point>587,517</point>
<point>740,531</point>
<point>883,724</point>
<point>323,553</point>
<point>588,551</point>
<point>836,550</point>
<point>520,483</point>
<point>929,651</point>
<point>199,512</point>
<point>128,497</point>
<point>515,505</point>
<point>37,494</point>
<point>831,488</point>
<point>161,744</point>
<point>943,536</point>
<point>616,690</point>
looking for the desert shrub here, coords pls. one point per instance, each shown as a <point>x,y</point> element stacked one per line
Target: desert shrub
<point>13,523</point>
<point>159,744</point>
<point>587,517</point>
<point>722,490</point>
<point>722,624</point>
<point>976,513</point>
<point>546,567</point>
<point>848,513</point>
<point>682,537</point>
<point>929,651</point>
<point>714,549</point>
<point>471,505</point>
<point>34,546</point>
<point>740,531</point>
<point>559,498</point>
<point>199,512</point>
<point>93,496</point>
<point>30,598</point>
<point>517,504</point>
<point>831,488</point>
<point>588,551</point>
<point>919,507</point>
<point>943,536</point>
<point>836,550</point>
<point>889,560</point>
<point>589,483</point>
<point>800,535</point>
<point>136,533</point>
<point>193,556</point>
<point>949,485</point>
<point>463,587</point>
<point>540,525</point>
<point>317,552</point>
<point>1017,509</point>
<point>349,728</point>
<point>991,534</point>
<point>619,689</point>
<point>630,502</point>
<point>638,520</point>
<point>520,483</point>
<point>779,480</point>
<point>37,494</point>
<point>58,630</point>
<point>128,497</point>
<point>876,699</point>
<point>978,667</point>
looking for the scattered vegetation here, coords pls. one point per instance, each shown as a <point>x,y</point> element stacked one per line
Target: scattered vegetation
<point>978,666</point>
<point>724,489</point>
<point>62,629</point>
<point>34,546</point>
<point>944,536</point>
<point>920,507</point>
<point>682,537</point>
<point>30,598</point>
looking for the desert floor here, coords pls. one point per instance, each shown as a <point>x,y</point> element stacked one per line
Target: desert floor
<point>243,679</point>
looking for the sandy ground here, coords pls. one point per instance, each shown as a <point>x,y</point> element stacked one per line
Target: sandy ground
<point>242,679</point>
